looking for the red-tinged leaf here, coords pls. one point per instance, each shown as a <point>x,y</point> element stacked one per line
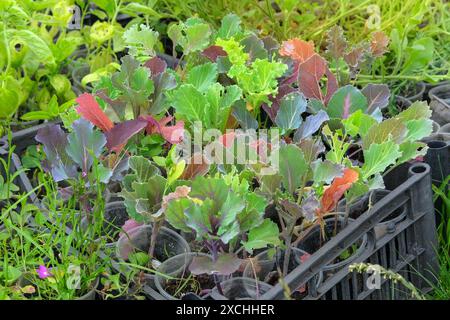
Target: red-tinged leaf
<point>379,44</point>
<point>213,52</point>
<point>336,42</point>
<point>347,105</point>
<point>337,189</point>
<point>377,96</point>
<point>128,226</point>
<point>180,192</point>
<point>309,75</point>
<point>299,50</point>
<point>197,166</point>
<point>118,136</point>
<point>156,66</point>
<point>90,110</point>
<point>262,148</point>
<point>172,134</point>
<point>227,139</point>
<point>332,85</point>
<point>355,57</point>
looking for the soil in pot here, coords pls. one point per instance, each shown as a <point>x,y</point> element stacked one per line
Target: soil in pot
<point>174,279</point>
<point>314,240</point>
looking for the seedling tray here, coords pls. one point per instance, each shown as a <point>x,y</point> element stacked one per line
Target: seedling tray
<point>409,247</point>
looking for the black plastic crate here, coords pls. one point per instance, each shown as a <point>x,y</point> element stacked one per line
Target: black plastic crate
<point>409,248</point>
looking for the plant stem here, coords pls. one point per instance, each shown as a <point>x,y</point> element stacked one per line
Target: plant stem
<point>214,253</point>
<point>155,231</point>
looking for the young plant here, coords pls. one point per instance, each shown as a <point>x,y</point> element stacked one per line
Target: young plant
<point>223,217</point>
<point>73,158</point>
<point>144,192</point>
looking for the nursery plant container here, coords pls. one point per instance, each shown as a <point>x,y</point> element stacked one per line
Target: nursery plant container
<point>115,217</point>
<point>429,86</point>
<point>440,104</point>
<point>409,250</point>
<point>438,157</point>
<point>263,267</point>
<point>444,133</point>
<point>362,205</point>
<point>168,243</point>
<point>177,269</point>
<point>314,240</point>
<point>402,103</point>
<point>415,93</point>
<point>240,288</point>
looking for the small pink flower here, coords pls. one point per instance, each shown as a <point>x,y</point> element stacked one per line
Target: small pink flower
<point>44,272</point>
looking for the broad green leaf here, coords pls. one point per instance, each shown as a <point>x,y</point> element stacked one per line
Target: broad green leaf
<point>411,150</point>
<point>345,101</point>
<point>175,213</point>
<point>358,123</point>
<point>253,213</point>
<point>265,234</point>
<point>292,167</point>
<point>418,110</point>
<point>143,168</point>
<point>9,101</point>
<point>203,76</point>
<point>378,157</point>
<point>231,26</point>
<point>289,115</point>
<point>85,143</point>
<point>189,102</point>
<point>325,171</point>
<point>198,218</point>
<point>419,55</point>
<point>390,129</point>
<point>243,116</point>
<point>141,40</point>
<point>419,129</point>
<point>254,46</point>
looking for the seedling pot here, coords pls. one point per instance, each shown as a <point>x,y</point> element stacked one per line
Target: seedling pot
<point>415,94</point>
<point>402,103</point>
<point>438,159</point>
<point>362,205</point>
<point>168,244</point>
<point>173,278</point>
<point>115,217</point>
<point>241,288</point>
<point>314,240</point>
<point>444,133</point>
<point>265,265</point>
<point>440,104</point>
